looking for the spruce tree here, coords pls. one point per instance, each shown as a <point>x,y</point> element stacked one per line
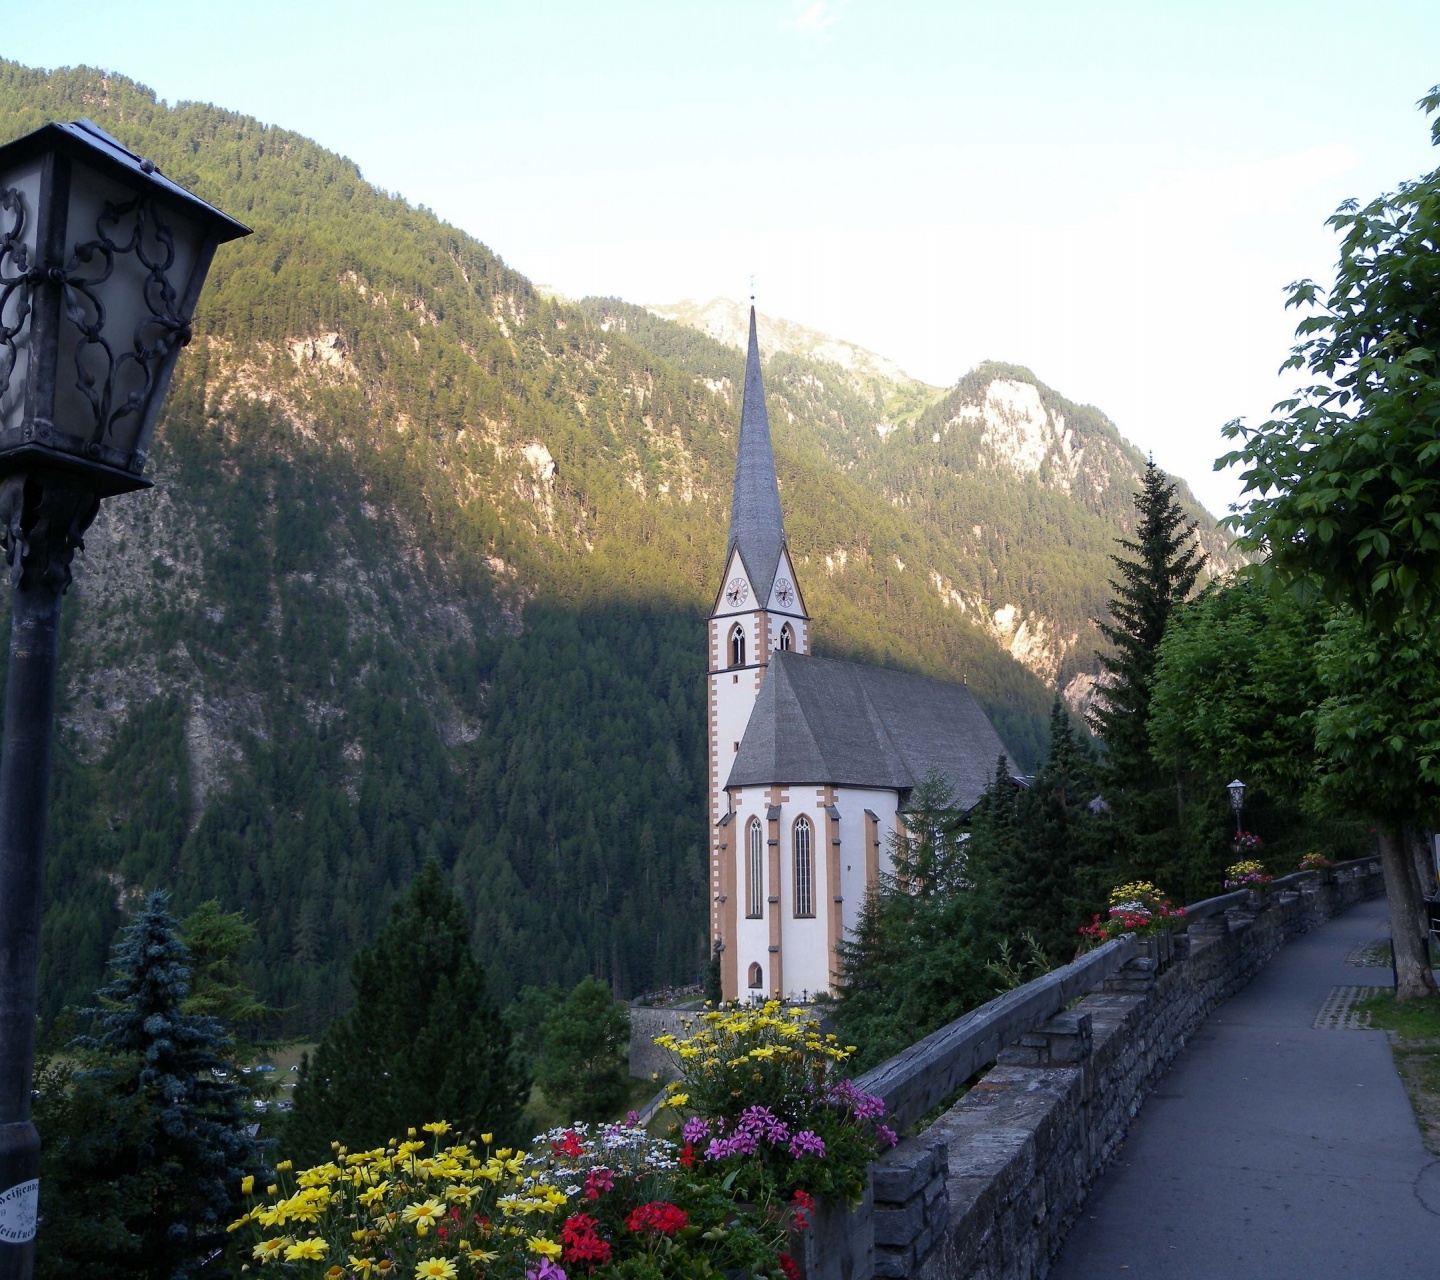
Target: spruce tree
<point>1031,849</point>
<point>150,1139</point>
<point>422,1042</point>
<point>1157,570</point>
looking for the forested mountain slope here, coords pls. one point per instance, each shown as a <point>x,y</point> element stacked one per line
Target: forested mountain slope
<point>1011,494</point>
<point>423,573</point>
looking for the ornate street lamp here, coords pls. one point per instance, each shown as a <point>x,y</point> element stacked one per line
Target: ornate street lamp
<point>1237,800</point>
<point>101,262</point>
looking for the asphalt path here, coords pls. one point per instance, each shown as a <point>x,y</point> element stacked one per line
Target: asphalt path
<point>1272,1149</point>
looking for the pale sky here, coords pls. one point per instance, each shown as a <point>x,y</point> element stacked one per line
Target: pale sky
<point>1114,194</point>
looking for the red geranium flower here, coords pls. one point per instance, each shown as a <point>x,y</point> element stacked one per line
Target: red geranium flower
<point>568,1146</point>
<point>659,1216</point>
<point>787,1265</point>
<point>582,1242</point>
<point>801,1203</point>
<point>687,1154</point>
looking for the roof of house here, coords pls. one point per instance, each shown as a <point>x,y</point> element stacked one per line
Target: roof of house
<point>755,523</point>
<point>822,722</point>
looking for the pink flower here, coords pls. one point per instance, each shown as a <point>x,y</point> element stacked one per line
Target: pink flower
<point>807,1143</point>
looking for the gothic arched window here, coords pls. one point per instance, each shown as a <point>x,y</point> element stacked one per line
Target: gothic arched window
<point>756,980</point>
<point>804,868</point>
<point>787,638</point>
<point>755,883</point>
<point>737,646</point>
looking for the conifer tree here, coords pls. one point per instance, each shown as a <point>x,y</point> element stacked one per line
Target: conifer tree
<point>150,1140</point>
<point>582,1064</point>
<point>1030,849</point>
<point>215,939</point>
<point>915,961</point>
<point>423,1041</point>
<point>1157,572</point>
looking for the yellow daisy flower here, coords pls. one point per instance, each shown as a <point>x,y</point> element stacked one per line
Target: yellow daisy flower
<point>424,1215</point>
<point>269,1250</point>
<point>435,1268</point>
<point>307,1250</point>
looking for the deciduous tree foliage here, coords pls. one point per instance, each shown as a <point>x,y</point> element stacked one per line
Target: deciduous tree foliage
<point>1345,481</point>
<point>1345,501</point>
<point>423,1040</point>
<point>1236,694</point>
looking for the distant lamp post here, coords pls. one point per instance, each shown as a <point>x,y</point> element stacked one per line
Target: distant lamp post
<point>101,263</point>
<point>1237,800</point>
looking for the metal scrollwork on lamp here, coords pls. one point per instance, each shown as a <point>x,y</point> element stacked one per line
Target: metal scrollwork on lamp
<point>102,259</point>
<point>1237,800</point>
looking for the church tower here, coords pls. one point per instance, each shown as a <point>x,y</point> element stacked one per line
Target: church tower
<point>757,610</point>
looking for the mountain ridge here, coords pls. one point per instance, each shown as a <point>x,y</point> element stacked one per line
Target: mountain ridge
<point>423,575</point>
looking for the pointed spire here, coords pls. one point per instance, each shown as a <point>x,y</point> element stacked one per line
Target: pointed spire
<point>755,523</point>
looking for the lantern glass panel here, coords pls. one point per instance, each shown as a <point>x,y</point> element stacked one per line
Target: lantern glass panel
<point>18,239</point>
<point>131,259</point>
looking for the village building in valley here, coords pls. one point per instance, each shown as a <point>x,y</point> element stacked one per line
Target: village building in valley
<point>811,761</point>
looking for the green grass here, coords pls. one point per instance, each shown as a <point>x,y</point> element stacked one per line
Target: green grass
<point>543,1115</point>
<point>1415,1045</point>
<point>1410,1020</point>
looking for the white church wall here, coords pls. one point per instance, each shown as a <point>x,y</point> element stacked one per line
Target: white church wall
<point>804,941</point>
<point>852,803</point>
<point>752,936</point>
<point>806,958</point>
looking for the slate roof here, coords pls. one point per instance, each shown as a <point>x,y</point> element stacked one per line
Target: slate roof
<point>820,722</point>
<point>755,523</point>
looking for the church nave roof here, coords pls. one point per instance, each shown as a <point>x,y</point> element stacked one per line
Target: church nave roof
<point>821,722</point>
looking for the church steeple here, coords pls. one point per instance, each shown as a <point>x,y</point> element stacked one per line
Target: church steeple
<point>755,524</point>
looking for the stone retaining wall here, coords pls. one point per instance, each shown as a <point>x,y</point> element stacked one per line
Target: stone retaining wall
<point>989,1191</point>
<point>647,1059</point>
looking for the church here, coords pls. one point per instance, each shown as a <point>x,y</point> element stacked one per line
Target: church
<point>811,761</point>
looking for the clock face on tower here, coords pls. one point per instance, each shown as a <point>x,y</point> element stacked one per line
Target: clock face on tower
<point>736,592</point>
<point>784,592</point>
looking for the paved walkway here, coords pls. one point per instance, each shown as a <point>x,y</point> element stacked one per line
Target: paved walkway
<point>1271,1149</point>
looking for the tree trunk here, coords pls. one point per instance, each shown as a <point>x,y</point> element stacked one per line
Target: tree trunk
<point>1421,844</point>
<point>1413,978</point>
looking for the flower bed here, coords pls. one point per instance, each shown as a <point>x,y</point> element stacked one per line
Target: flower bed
<point>608,1204</point>
<point>771,1117</point>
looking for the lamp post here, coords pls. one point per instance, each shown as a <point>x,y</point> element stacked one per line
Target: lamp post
<point>1237,800</point>
<point>101,263</point>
